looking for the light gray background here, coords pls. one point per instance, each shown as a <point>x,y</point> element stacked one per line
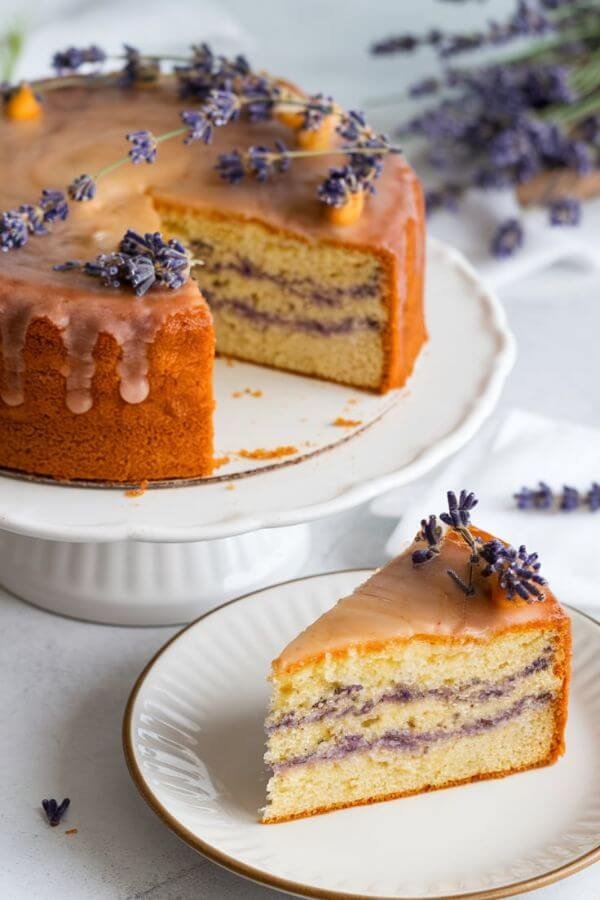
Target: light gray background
<point>64,684</point>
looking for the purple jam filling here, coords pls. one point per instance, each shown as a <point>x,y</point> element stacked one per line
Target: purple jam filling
<point>263,319</point>
<point>474,691</point>
<point>307,288</point>
<point>410,741</point>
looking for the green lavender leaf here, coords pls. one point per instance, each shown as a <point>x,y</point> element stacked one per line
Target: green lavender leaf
<point>11,46</point>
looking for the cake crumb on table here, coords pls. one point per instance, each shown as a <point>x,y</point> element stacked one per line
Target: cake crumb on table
<point>230,487</point>
<point>340,422</point>
<point>72,831</point>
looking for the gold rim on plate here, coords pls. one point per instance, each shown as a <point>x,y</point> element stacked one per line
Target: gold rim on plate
<point>284,884</point>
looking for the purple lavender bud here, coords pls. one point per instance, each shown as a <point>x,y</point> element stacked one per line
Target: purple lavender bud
<point>13,231</point>
<point>263,163</point>
<point>420,557</point>
<point>544,496</point>
<point>577,156</point>
<point>459,510</point>
<point>230,166</point>
<point>144,147</point>
<point>525,498</point>
<point>55,811</point>
<point>570,499</point>
<point>424,88</point>
<point>492,179</point>
<point>138,69</point>
<point>71,59</point>
<point>318,106</point>
<point>401,43</point>
<point>589,129</point>
<point>517,570</point>
<point>445,197</point>
<point>592,498</point>
<point>51,206</point>
<point>565,211</point>
<point>507,239</point>
<point>431,533</point>
<point>82,188</point>
<point>337,187</point>
<point>200,128</point>
<point>528,20</point>
<point>352,125</point>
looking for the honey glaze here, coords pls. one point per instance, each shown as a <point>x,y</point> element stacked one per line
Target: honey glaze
<point>132,322</point>
<point>403,601</point>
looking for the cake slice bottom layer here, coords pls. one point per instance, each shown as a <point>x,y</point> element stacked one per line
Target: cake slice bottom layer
<point>383,772</point>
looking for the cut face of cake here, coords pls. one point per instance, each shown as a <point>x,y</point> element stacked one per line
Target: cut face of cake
<point>409,684</point>
<point>289,290</point>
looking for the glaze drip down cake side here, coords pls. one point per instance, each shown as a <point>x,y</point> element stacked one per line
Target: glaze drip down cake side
<point>408,685</point>
<point>99,385</point>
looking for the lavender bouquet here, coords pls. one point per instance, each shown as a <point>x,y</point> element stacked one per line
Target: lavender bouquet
<point>520,120</point>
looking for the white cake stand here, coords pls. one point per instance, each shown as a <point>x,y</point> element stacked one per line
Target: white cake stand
<point>169,554</point>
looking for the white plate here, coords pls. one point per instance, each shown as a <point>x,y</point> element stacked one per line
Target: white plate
<point>193,737</point>
<point>455,386</point>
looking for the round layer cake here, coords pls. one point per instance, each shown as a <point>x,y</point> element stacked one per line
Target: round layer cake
<point>100,385</point>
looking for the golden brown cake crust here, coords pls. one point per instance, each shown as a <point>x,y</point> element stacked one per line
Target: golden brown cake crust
<point>552,757</point>
<point>169,435</point>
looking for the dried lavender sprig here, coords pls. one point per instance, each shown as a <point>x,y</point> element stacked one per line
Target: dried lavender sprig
<point>55,811</point>
<point>496,125</point>
<point>431,533</point>
<point>530,19</point>
<point>567,500</point>
<point>541,497</point>
<point>141,262</point>
<point>32,219</point>
<point>517,570</point>
<point>73,58</point>
<point>264,162</point>
<point>459,509</point>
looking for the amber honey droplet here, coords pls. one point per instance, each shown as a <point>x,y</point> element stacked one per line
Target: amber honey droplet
<point>320,138</point>
<point>289,116</point>
<point>350,212</point>
<point>22,105</point>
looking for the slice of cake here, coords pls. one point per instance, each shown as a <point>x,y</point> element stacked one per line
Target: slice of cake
<point>449,665</point>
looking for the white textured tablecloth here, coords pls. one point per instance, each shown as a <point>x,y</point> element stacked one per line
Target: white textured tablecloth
<point>64,684</point>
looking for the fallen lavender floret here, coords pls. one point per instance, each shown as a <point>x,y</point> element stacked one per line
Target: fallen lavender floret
<point>55,811</point>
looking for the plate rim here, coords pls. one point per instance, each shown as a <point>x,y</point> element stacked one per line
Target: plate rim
<point>286,885</point>
<point>352,495</point>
